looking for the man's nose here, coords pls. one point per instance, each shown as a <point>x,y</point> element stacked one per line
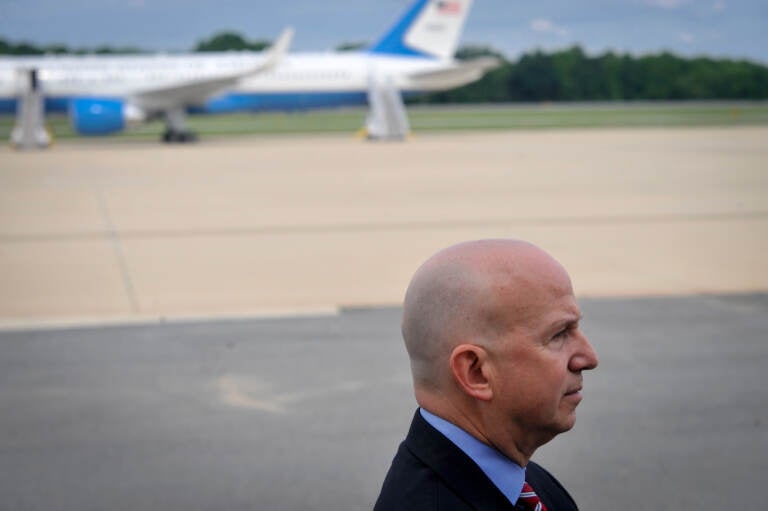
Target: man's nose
<point>585,357</point>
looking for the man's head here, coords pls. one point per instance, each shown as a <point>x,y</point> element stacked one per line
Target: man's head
<point>492,331</point>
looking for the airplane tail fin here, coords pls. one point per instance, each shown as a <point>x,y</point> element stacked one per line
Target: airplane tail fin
<point>429,28</point>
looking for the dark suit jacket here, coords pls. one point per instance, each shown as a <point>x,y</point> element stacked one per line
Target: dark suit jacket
<point>430,473</point>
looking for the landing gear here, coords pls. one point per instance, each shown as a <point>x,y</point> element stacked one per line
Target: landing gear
<point>172,136</point>
<point>175,131</point>
<point>29,131</point>
<point>386,119</point>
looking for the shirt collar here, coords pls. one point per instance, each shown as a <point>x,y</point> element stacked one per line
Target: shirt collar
<point>504,473</point>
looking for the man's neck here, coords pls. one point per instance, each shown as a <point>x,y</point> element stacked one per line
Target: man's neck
<point>473,423</point>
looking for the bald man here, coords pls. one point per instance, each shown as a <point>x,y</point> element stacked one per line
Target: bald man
<point>492,332</point>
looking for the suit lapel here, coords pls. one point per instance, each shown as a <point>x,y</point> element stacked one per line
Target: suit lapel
<point>454,467</point>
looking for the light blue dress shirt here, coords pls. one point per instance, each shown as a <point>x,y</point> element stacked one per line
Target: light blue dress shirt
<point>507,475</point>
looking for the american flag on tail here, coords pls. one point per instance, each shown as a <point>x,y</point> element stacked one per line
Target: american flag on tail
<point>449,7</point>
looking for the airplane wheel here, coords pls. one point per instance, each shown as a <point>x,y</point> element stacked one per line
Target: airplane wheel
<point>187,136</point>
<point>171,137</point>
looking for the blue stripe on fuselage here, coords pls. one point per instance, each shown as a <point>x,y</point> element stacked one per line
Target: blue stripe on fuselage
<point>234,102</point>
<point>239,102</point>
<point>57,104</point>
<point>7,106</point>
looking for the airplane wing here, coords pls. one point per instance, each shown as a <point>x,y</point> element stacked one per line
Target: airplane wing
<point>461,70</point>
<point>197,91</point>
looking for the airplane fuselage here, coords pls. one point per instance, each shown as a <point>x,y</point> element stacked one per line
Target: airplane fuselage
<point>300,81</point>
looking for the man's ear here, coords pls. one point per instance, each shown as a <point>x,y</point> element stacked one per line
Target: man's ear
<point>469,366</point>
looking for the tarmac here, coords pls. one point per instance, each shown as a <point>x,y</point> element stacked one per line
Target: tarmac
<point>217,326</point>
<point>294,414</point>
<point>99,232</point>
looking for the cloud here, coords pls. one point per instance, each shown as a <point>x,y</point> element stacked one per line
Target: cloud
<point>546,26</point>
<point>131,4</point>
<point>666,4</point>
<point>686,37</point>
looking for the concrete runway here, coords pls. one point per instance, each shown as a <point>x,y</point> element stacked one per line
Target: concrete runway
<point>306,413</point>
<point>663,231</point>
<point>95,231</point>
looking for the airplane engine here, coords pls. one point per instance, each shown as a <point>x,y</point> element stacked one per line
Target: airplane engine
<point>100,116</point>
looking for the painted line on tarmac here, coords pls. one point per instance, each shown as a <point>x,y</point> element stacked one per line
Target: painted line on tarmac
<point>79,322</point>
<point>387,226</point>
<point>117,247</point>
<point>247,392</point>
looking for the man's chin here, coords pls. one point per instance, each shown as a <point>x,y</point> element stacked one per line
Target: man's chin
<point>567,423</point>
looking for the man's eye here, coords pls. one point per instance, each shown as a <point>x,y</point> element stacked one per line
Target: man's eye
<point>561,334</point>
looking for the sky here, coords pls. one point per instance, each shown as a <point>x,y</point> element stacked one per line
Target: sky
<point>715,28</point>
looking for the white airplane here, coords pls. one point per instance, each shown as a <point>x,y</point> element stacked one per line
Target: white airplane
<point>104,94</point>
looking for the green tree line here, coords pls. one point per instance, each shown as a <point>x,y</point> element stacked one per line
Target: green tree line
<point>222,41</point>
<point>572,75</point>
<point>26,48</point>
<point>537,76</point>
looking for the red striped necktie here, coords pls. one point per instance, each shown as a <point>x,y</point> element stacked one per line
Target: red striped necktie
<point>529,500</point>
